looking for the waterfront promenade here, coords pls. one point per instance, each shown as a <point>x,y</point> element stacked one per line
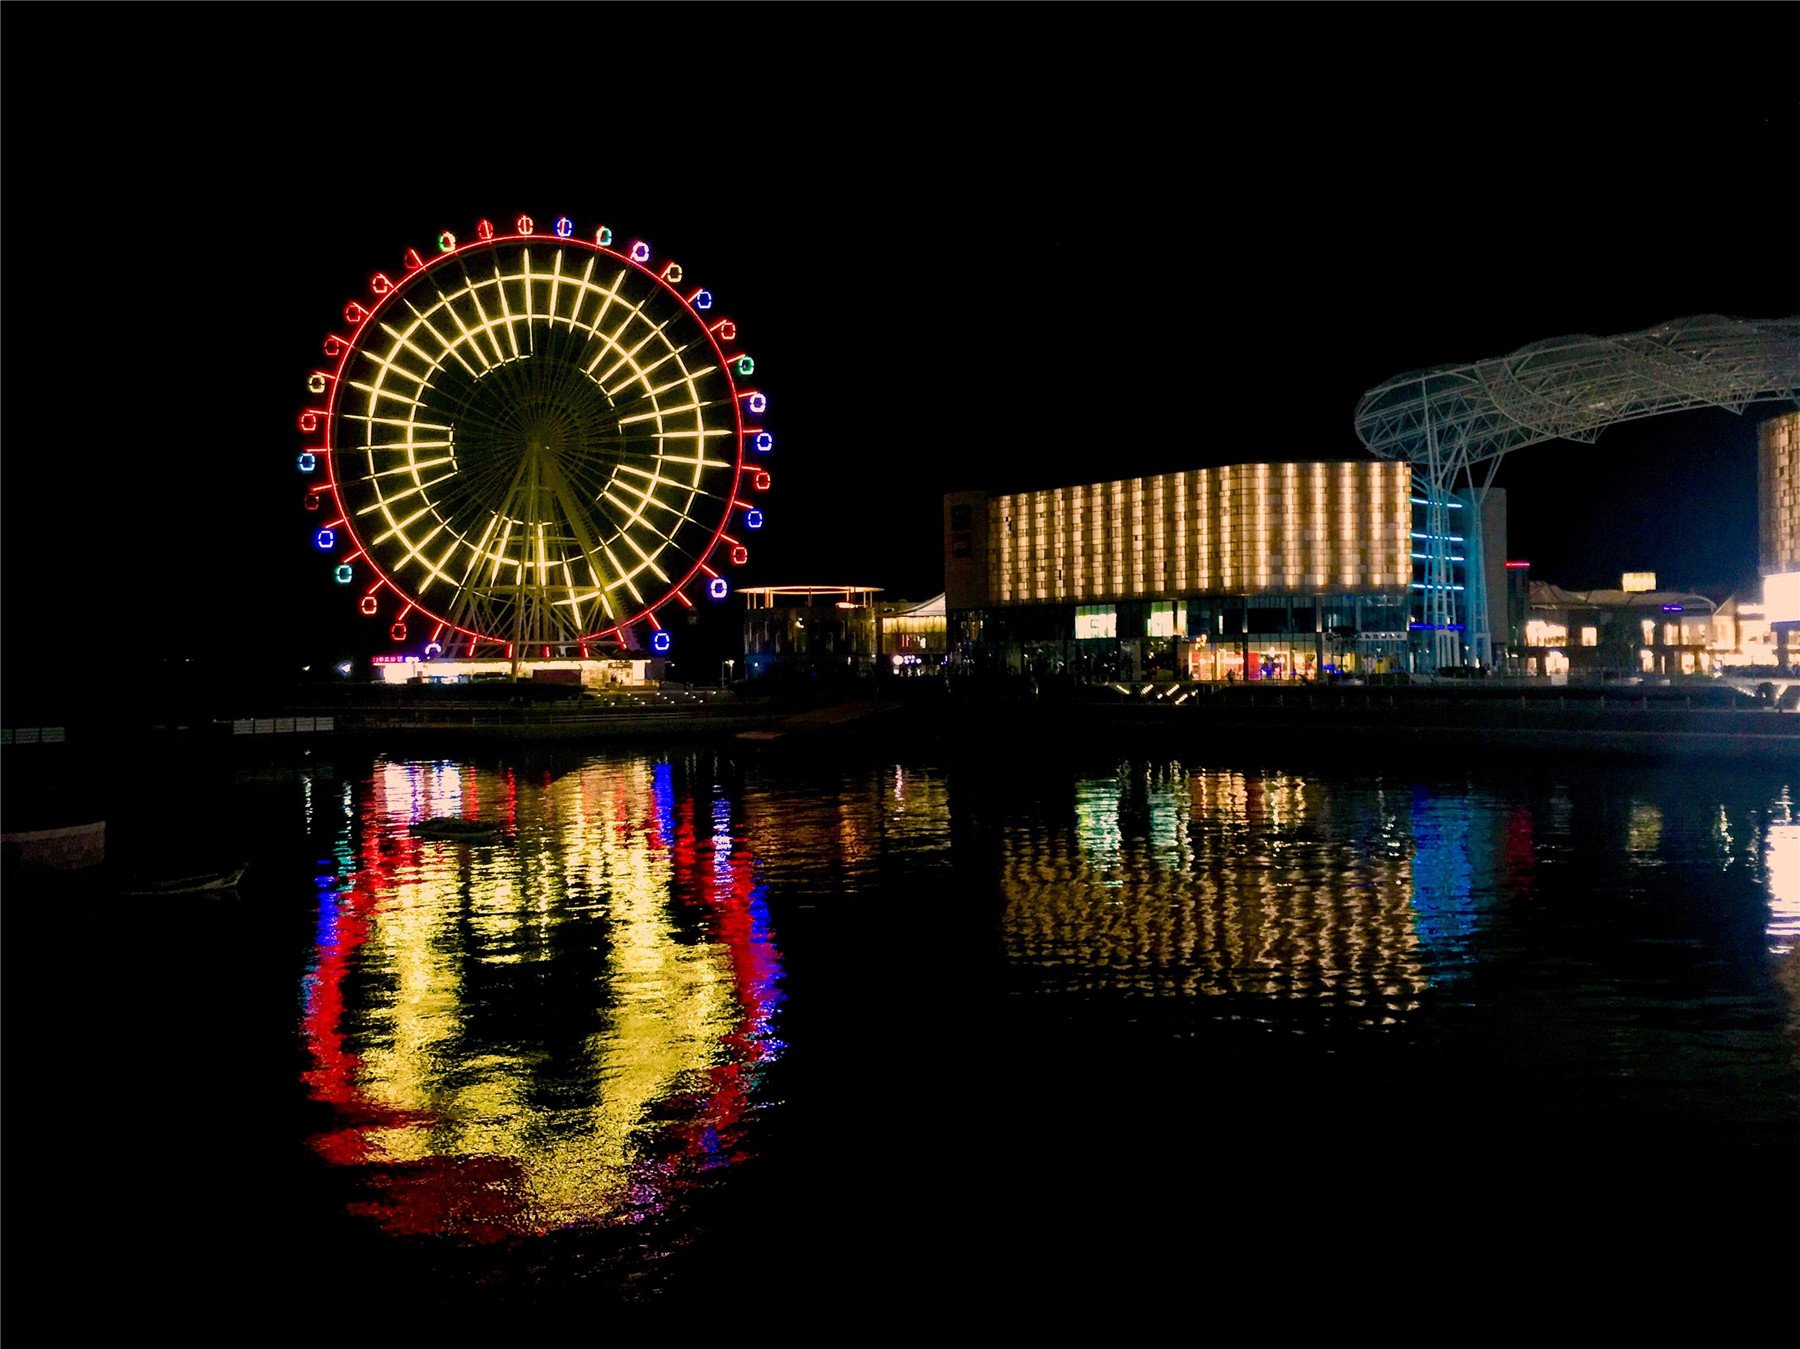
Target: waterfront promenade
<point>1697,720</point>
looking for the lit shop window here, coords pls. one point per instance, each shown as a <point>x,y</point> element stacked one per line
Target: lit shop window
<point>1649,631</point>
<point>1646,660</point>
<point>1540,633</point>
<point>1167,620</point>
<point>1556,662</point>
<point>1671,634</point>
<point>1095,620</point>
<point>1781,597</point>
<point>1590,636</point>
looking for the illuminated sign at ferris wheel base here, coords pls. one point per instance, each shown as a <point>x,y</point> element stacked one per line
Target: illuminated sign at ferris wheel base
<point>532,435</point>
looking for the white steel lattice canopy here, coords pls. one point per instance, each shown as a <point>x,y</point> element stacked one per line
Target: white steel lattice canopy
<point>1571,388</point>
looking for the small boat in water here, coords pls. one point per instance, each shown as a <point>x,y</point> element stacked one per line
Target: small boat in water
<point>183,885</point>
<point>457,829</point>
<point>69,848</point>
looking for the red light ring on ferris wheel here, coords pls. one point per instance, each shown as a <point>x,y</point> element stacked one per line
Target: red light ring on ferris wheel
<point>385,292</point>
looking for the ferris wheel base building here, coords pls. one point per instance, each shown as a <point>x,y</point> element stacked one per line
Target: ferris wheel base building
<point>1248,571</point>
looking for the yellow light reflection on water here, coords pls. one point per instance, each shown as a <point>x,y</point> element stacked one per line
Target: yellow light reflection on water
<point>1781,867</point>
<point>555,1026</point>
<point>1183,883</point>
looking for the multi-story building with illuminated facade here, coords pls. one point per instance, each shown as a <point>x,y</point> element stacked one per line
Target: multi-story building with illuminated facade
<point>1778,519</point>
<point>1778,444</point>
<point>1241,572</point>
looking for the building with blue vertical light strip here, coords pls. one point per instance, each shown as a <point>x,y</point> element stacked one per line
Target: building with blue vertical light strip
<point>1247,571</point>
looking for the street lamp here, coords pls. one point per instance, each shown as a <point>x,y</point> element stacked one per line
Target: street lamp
<point>725,668</point>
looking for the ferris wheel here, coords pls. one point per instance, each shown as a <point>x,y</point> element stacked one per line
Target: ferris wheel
<point>531,442</point>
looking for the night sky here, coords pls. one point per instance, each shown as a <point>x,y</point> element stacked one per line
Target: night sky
<point>1003,248</point>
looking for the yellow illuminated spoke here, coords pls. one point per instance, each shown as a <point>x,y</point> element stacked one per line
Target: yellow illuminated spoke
<point>483,326</point>
<point>499,553</point>
<point>403,342</point>
<point>401,496</point>
<point>629,357</point>
<point>403,421</point>
<point>623,575</point>
<point>607,299</point>
<point>468,341</point>
<point>555,286</point>
<point>374,391</point>
<point>661,413</point>
<point>668,539</point>
<point>445,345</point>
<point>679,512</point>
<point>411,550</point>
<point>484,323</point>
<point>632,543</point>
<point>512,337</point>
<point>398,526</point>
<point>644,372</point>
<point>477,554</point>
<point>375,473</point>
<point>437,572</point>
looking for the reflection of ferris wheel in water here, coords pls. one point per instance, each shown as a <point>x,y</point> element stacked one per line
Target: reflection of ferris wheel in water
<point>533,442</point>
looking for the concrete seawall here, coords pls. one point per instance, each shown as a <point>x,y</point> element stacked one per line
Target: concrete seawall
<point>1402,721</point>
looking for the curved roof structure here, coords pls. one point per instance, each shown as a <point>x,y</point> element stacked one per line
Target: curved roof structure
<point>770,592</point>
<point>1571,388</point>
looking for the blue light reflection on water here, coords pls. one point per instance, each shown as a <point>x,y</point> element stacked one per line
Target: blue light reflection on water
<point>1175,881</point>
<point>663,791</point>
<point>327,934</point>
<point>580,1116</point>
<point>1454,842</point>
<point>1030,1012</point>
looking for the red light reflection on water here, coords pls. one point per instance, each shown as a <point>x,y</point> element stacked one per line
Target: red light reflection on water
<point>427,1172</point>
<point>1521,847</point>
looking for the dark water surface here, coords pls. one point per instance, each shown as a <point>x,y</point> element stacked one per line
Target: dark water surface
<point>710,1046</point>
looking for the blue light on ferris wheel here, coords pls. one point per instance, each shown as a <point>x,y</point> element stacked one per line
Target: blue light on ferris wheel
<point>659,641</point>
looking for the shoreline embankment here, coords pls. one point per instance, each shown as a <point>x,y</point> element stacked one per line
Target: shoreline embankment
<point>1488,721</point>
